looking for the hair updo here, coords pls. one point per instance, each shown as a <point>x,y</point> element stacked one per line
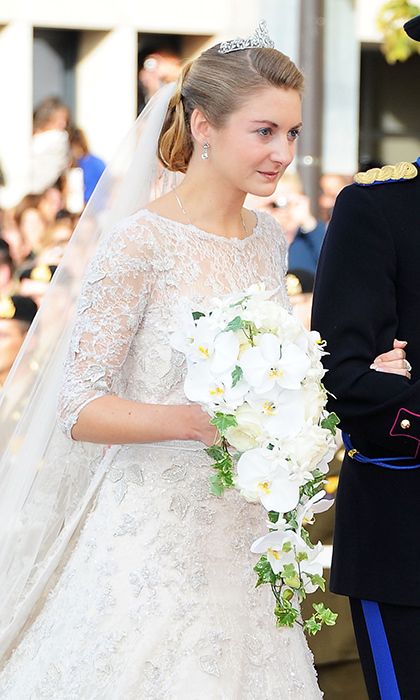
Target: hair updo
<point>218,84</point>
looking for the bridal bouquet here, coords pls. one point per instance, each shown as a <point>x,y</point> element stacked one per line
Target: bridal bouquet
<point>258,373</point>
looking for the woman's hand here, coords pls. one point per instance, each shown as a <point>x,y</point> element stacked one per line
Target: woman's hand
<point>202,429</point>
<point>394,361</point>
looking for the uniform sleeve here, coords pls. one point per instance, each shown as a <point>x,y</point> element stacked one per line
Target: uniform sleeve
<point>355,310</point>
<point>110,308</point>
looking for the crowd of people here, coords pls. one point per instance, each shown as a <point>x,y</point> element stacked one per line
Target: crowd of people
<point>62,174</point>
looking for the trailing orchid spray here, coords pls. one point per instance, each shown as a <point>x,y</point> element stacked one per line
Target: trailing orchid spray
<point>257,372</point>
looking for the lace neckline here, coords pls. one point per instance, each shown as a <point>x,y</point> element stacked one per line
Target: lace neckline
<point>256,231</point>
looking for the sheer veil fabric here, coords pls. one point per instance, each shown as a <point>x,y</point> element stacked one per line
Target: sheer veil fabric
<point>46,480</point>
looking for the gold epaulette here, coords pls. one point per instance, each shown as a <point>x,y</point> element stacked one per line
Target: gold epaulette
<point>389,173</point>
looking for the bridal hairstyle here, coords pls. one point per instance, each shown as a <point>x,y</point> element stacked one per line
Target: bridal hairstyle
<point>218,84</point>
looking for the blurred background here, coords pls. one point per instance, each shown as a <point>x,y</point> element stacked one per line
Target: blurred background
<point>75,74</point>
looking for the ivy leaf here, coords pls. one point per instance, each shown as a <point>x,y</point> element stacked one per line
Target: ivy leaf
<point>306,538</point>
<point>312,626</point>
<point>291,519</point>
<point>273,516</point>
<point>215,452</point>
<point>223,421</point>
<point>216,487</point>
<point>325,615</point>
<point>317,580</point>
<point>235,324</point>
<point>264,571</point>
<point>330,423</point>
<point>290,576</point>
<point>286,615</point>
<point>237,375</point>
<point>197,314</point>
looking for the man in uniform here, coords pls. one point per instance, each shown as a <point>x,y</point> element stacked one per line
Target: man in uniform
<point>367,292</point>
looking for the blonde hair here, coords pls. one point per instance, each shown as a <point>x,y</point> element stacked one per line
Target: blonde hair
<point>218,84</point>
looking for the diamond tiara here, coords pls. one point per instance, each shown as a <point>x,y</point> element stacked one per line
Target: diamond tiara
<point>259,40</point>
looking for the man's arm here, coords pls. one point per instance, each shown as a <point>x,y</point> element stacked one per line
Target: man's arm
<point>355,310</point>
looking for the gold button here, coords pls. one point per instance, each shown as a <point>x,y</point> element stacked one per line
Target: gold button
<point>405,424</point>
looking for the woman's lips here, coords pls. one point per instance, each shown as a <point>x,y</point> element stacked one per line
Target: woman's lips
<point>268,175</point>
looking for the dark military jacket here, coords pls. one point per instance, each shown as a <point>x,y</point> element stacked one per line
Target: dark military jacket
<point>367,293</point>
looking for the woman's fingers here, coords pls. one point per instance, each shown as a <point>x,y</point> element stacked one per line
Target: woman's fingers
<point>391,364</point>
<point>394,361</point>
<point>391,356</point>
<point>384,367</point>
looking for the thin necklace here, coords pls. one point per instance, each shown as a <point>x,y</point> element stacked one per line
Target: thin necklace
<point>184,211</point>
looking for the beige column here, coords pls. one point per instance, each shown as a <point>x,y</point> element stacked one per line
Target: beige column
<point>106,87</point>
<point>16,41</point>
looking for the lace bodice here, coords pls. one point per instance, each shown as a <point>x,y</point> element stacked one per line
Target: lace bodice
<point>131,298</point>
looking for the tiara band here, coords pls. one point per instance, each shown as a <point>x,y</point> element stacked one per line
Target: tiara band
<point>259,40</point>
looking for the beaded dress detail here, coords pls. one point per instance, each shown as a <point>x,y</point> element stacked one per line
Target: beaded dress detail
<point>156,598</point>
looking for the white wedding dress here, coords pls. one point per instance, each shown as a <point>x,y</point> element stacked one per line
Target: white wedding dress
<point>157,597</point>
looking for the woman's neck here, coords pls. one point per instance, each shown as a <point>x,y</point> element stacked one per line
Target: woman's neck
<point>212,205</point>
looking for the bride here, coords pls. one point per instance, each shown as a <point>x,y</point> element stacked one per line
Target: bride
<point>149,579</point>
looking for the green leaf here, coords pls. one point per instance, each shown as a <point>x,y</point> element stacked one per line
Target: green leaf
<point>235,324</point>
<point>286,615</point>
<point>306,538</point>
<point>273,516</point>
<point>197,314</point>
<point>301,556</point>
<point>312,626</point>
<point>216,487</point>
<point>237,375</point>
<point>325,615</point>
<point>330,423</point>
<point>288,571</point>
<point>264,571</point>
<point>223,421</point>
<point>215,452</point>
<point>317,580</point>
<point>290,576</point>
<point>291,519</point>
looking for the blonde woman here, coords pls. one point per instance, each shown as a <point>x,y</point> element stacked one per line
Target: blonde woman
<point>156,596</point>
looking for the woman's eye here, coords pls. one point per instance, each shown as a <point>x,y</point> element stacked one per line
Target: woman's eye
<point>265,131</point>
<point>293,134</point>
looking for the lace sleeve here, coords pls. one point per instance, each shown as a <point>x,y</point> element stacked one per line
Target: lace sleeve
<point>110,308</point>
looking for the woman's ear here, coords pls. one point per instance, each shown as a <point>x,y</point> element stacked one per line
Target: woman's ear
<point>200,127</point>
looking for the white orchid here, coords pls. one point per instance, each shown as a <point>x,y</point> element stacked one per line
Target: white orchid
<point>283,547</point>
<point>263,475</point>
<point>316,504</point>
<point>204,387</point>
<point>279,548</point>
<point>195,338</point>
<point>282,412</point>
<point>269,364</point>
